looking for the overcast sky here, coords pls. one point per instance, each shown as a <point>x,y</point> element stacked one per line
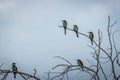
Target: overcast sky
<point>30,36</point>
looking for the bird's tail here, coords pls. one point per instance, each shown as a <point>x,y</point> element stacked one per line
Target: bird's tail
<point>14,74</point>
<point>65,31</point>
<point>77,34</point>
<point>92,42</point>
<point>82,69</point>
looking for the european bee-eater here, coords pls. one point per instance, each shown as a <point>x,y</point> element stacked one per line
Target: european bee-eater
<point>64,25</point>
<point>75,28</point>
<point>91,36</point>
<point>14,69</point>
<point>80,63</point>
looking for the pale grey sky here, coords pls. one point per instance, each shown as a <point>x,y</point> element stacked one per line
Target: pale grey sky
<point>30,36</point>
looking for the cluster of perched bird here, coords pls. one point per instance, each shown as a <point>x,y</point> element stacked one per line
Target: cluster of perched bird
<point>75,29</point>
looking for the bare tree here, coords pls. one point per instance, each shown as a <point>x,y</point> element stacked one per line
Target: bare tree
<point>102,57</point>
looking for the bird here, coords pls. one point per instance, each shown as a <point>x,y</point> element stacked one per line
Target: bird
<point>64,25</point>
<point>80,63</point>
<point>75,29</point>
<point>91,37</point>
<point>14,69</point>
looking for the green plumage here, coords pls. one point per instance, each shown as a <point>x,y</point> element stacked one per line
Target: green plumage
<point>64,25</point>
<point>14,68</point>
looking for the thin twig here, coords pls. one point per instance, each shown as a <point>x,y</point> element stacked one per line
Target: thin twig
<point>63,59</point>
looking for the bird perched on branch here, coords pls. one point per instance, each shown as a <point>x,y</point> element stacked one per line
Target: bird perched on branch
<point>75,29</point>
<point>80,63</point>
<point>64,25</point>
<point>14,69</point>
<point>91,37</point>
